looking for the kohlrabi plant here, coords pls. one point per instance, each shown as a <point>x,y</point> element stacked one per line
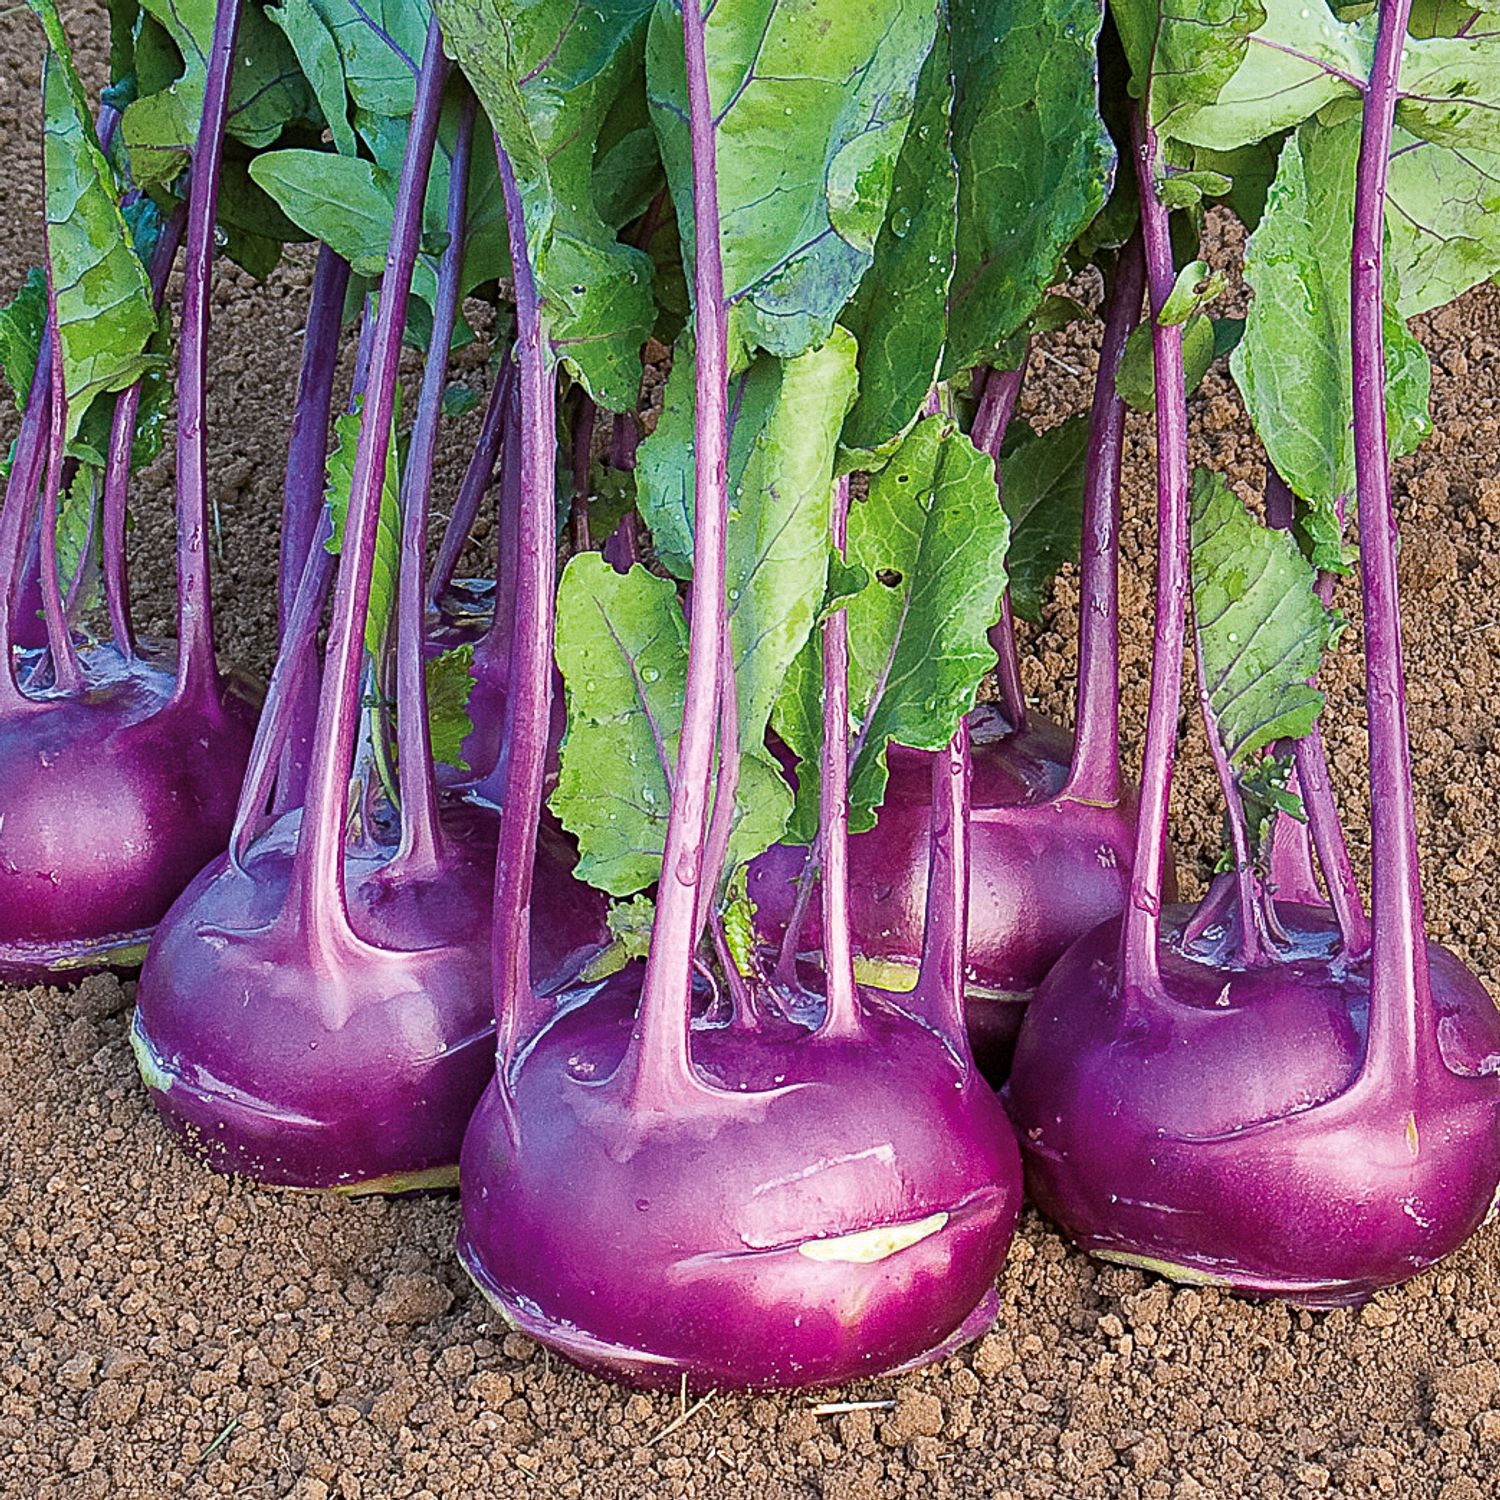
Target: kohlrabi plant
<point>315,1011</point>
<point>662,1156</point>
<point>957,288</point>
<point>120,758</point>
<point>1269,1094</point>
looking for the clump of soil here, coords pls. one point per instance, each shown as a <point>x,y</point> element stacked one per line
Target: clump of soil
<point>167,1332</point>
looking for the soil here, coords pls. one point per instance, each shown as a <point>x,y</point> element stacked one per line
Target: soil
<point>167,1332</point>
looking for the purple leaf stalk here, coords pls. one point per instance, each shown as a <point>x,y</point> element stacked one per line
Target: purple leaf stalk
<point>1052,824</point>
<point>1304,1121</point>
<point>120,760</point>
<point>646,1171</point>
<point>315,1010</point>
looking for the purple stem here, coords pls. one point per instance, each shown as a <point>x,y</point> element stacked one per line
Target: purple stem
<point>302,504</point>
<point>622,548</point>
<point>997,405</point>
<point>117,468</point>
<point>1323,825</point>
<point>420,849</point>
<point>529,701</point>
<point>1095,773</point>
<point>657,1070</point>
<point>35,422</point>
<point>296,662</point>
<point>307,448</point>
<point>478,477</point>
<point>1142,923</point>
<point>197,671</point>
<point>583,448</point>
<point>494,664</point>
<point>67,675</point>
<point>843,1016</point>
<point>1402,1045</point>
<point>15,522</point>
<point>318,871</point>
<point>726,789</point>
<point>941,982</point>
<point>1292,877</point>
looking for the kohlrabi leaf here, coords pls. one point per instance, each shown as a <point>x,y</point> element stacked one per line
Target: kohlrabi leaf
<point>630,923</point>
<point>77,511</point>
<point>1182,53</point>
<point>267,93</point>
<point>317,51</point>
<point>1135,380</point>
<point>105,314</point>
<point>22,321</point>
<point>1450,17</point>
<point>1450,92</point>
<point>1041,486</point>
<point>449,683</point>
<point>336,198</point>
<point>622,647</point>
<point>1299,58</point>
<point>899,314</point>
<point>548,73</point>
<point>1443,221</point>
<point>1292,365</point>
<point>787,417</point>
<point>1035,161</point>
<point>1261,628</point>
<point>812,105</point>
<point>346,428</point>
<point>932,539</point>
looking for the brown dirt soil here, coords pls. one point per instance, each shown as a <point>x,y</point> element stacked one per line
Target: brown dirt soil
<point>166,1332</point>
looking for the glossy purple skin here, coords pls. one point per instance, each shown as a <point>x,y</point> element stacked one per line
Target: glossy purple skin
<point>1218,1138</point>
<point>362,1068</point>
<point>1043,870</point>
<point>110,803</point>
<point>649,1247</point>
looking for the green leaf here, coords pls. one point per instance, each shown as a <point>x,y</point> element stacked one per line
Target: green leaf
<point>267,93</point>
<point>459,399</point>
<point>1193,290</point>
<point>1182,54</point>
<point>1035,161</point>
<point>449,682</point>
<point>379,44</point>
<point>77,511</point>
<point>336,199</point>
<point>105,314</point>
<point>1299,60</point>
<point>622,648</point>
<point>1443,219</point>
<point>630,923</point>
<point>933,539</point>
<point>1449,17</point>
<point>1041,486</point>
<point>1135,380</point>
<point>1292,366</point>
<point>899,313</point>
<point>318,54</point>
<point>346,430</point>
<point>1261,629</point>
<point>1249,170</point>
<point>549,73</point>
<point>813,103</point>
<point>786,425</point>
<point>22,322</point>
<point>1450,92</point>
